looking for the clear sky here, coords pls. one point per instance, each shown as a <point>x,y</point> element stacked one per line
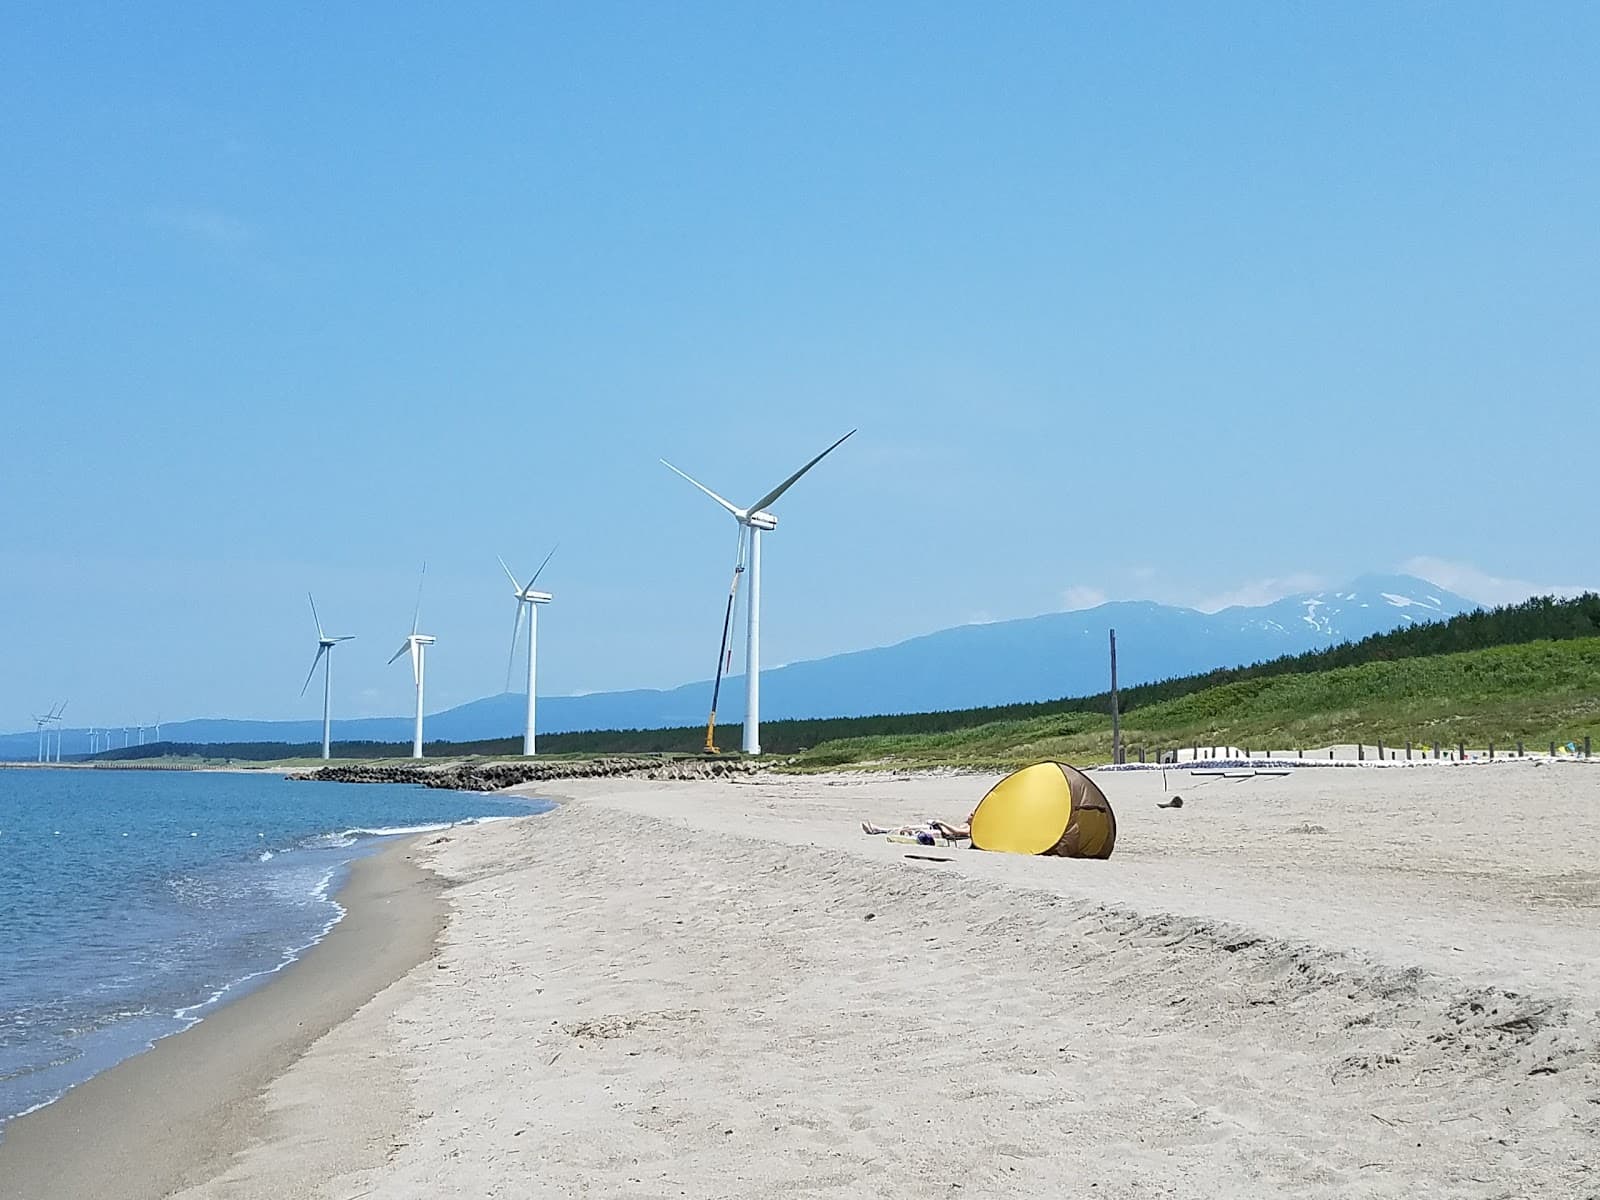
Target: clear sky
<point>1181,301</point>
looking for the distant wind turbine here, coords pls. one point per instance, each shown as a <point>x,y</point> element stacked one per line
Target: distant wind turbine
<point>325,645</point>
<point>417,644</point>
<point>54,717</point>
<point>529,599</point>
<point>752,521</point>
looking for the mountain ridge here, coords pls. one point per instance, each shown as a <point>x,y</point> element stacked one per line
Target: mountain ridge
<point>1042,657</point>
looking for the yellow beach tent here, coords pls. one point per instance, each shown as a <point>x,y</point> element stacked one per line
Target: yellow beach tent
<point>1048,808</point>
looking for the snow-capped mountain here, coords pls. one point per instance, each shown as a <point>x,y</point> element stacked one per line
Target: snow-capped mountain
<point>1372,604</point>
<point>1039,658</point>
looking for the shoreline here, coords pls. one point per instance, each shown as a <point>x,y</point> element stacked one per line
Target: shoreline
<point>176,1114</point>
<point>700,988</point>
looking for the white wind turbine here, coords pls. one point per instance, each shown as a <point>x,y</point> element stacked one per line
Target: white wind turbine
<point>325,645</point>
<point>417,644</point>
<point>752,522</point>
<point>54,718</point>
<point>529,599</point>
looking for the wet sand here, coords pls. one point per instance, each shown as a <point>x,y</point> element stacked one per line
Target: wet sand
<point>177,1114</point>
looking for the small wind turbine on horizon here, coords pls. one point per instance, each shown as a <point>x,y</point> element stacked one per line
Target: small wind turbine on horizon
<point>752,522</point>
<point>530,599</point>
<point>417,644</point>
<point>325,645</point>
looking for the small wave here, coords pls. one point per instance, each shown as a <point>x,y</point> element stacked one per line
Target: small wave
<point>397,830</point>
<point>192,1013</point>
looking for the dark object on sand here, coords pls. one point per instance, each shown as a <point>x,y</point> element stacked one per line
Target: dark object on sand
<point>929,858</point>
<point>1175,802</point>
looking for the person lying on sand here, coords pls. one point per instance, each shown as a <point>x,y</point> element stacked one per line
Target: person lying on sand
<point>951,833</point>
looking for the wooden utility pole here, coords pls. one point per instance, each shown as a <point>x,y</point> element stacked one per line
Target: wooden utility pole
<point>1116,716</point>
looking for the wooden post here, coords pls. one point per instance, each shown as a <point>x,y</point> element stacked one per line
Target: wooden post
<point>1380,749</point>
<point>1586,745</point>
<point>1116,717</point>
<point>1491,751</point>
<point>1461,751</point>
<point>1408,749</point>
<point>1361,752</point>
<point>1552,749</point>
<point>1519,750</point>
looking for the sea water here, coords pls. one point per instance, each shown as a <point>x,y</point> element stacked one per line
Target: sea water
<point>134,902</point>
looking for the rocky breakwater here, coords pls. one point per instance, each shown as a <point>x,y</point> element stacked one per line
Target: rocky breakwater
<point>492,776</point>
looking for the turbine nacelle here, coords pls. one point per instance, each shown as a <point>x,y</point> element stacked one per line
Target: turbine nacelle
<point>759,520</point>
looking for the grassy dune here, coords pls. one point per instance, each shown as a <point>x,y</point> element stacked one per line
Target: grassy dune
<point>1536,692</point>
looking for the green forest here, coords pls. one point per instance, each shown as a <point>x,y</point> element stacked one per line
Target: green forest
<point>1347,692</point>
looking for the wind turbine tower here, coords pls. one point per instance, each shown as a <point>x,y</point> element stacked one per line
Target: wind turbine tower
<point>417,644</point>
<point>325,645</point>
<point>753,521</point>
<point>530,599</point>
<point>54,717</point>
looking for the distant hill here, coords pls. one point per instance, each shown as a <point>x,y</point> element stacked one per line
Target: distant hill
<point>1037,658</point>
<point>1427,681</point>
<point>1536,692</point>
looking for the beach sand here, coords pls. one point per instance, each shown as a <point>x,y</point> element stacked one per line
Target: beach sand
<point>1347,982</point>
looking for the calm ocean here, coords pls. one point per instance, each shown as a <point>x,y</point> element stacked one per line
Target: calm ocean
<point>132,902</point>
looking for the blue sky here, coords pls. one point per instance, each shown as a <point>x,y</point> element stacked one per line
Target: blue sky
<point>1189,302</point>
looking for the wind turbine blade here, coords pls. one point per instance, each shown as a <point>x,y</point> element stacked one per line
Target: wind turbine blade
<point>544,564</point>
<point>509,574</point>
<point>416,662</point>
<point>516,629</point>
<point>321,650</point>
<point>416,616</point>
<point>725,504</point>
<point>772,496</point>
<point>348,637</point>
<point>316,618</point>
<point>404,646</point>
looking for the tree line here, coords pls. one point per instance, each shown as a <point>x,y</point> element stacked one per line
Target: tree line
<point>1542,618</point>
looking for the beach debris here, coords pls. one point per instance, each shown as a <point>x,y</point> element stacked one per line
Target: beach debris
<point>1175,802</point>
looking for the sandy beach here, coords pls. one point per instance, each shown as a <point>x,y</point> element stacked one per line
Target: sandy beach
<point>1347,982</point>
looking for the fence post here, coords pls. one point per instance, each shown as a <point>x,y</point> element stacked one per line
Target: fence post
<point>1361,752</point>
<point>1408,749</point>
<point>1141,754</point>
<point>1380,749</point>
<point>1552,749</point>
<point>1519,750</point>
<point>1586,745</point>
<point>1491,751</point>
